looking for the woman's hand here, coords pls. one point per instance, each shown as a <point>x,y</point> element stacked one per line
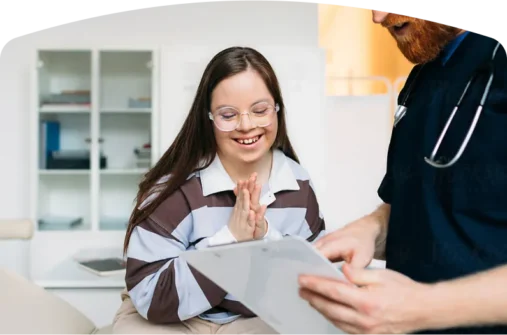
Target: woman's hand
<point>254,189</point>
<point>242,221</point>
<point>261,226</point>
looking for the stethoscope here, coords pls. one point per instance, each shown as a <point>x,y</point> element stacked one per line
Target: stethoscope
<point>402,110</point>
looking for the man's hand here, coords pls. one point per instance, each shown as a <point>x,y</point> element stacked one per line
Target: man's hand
<point>375,301</point>
<point>254,189</point>
<point>354,243</point>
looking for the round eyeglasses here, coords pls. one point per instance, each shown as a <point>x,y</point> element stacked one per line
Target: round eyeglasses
<point>229,118</point>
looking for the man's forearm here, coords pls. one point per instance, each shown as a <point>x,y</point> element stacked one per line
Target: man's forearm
<point>475,300</point>
<point>381,220</point>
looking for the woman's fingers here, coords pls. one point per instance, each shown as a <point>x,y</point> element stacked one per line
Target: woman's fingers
<point>256,193</point>
<point>249,191</point>
<point>245,204</point>
<point>251,219</point>
<point>251,182</point>
<point>263,210</point>
<point>260,222</point>
<point>240,199</point>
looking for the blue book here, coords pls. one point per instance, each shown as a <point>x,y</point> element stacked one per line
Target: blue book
<point>49,140</point>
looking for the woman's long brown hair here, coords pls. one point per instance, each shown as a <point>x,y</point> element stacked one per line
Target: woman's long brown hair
<point>194,148</point>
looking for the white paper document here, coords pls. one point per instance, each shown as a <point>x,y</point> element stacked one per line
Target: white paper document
<point>263,276</point>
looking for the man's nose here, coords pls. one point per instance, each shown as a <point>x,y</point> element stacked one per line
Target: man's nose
<point>379,17</point>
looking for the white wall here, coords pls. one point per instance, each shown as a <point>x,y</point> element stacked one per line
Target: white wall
<point>244,23</point>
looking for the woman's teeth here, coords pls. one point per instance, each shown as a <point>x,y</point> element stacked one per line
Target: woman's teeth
<point>248,140</point>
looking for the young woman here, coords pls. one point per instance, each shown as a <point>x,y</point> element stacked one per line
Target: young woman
<point>231,175</point>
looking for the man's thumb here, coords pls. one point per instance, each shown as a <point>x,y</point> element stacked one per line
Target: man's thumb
<point>360,276</point>
<point>359,261</point>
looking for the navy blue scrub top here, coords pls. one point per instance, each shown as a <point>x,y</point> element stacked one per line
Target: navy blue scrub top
<point>451,222</point>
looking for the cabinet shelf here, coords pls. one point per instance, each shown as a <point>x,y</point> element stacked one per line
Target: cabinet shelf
<point>126,172</point>
<point>103,172</point>
<point>64,109</point>
<point>70,172</point>
<point>125,110</point>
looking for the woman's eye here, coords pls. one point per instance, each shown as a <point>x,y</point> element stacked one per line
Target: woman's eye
<point>228,115</point>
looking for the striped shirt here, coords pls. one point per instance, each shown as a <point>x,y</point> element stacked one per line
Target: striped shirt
<point>163,287</point>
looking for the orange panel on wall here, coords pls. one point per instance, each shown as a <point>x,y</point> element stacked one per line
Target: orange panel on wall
<point>357,48</point>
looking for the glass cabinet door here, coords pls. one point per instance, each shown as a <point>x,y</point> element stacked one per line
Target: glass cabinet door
<point>125,132</point>
<point>64,119</point>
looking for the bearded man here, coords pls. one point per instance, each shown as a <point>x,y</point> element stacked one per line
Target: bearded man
<point>442,228</point>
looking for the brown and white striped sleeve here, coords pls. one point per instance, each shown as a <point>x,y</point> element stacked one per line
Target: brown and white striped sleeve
<point>289,205</point>
<point>162,286</point>
<point>314,217</point>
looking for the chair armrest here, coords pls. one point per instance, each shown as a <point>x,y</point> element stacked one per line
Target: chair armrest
<point>27,308</point>
<point>16,229</point>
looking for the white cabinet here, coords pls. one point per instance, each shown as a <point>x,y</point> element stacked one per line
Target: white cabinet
<point>94,135</point>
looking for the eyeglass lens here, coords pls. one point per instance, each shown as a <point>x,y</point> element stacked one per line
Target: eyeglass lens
<point>228,118</point>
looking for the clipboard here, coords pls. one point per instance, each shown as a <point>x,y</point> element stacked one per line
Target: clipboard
<point>263,276</point>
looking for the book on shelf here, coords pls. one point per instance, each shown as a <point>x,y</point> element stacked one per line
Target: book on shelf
<point>142,102</point>
<point>143,156</point>
<point>66,100</point>
<point>49,140</point>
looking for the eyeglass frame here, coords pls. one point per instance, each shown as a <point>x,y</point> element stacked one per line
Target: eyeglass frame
<point>211,117</point>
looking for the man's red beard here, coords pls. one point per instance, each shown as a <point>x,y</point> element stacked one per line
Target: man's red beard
<point>422,40</point>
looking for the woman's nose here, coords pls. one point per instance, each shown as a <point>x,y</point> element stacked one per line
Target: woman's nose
<point>245,123</point>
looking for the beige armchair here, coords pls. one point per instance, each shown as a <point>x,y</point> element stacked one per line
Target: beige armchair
<point>27,308</point>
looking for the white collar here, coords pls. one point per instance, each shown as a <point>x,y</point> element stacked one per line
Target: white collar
<point>215,179</point>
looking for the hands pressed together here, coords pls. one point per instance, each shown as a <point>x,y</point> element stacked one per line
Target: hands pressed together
<point>247,221</point>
